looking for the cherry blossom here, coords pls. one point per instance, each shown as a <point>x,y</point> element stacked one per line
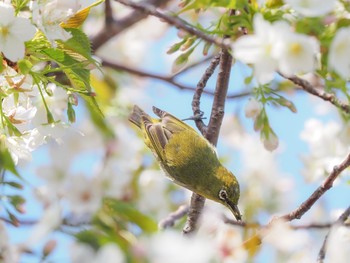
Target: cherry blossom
<point>14,31</point>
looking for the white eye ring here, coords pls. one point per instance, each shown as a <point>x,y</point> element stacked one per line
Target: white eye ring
<point>223,195</point>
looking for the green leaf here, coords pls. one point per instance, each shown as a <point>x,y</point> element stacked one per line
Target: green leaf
<point>37,44</point>
<point>128,213</point>
<point>71,113</point>
<point>24,66</point>
<point>75,70</point>
<point>17,201</point>
<point>274,3</point>
<point>205,4</point>
<point>19,4</point>
<point>248,79</point>
<point>97,238</point>
<point>188,43</point>
<point>89,237</point>
<point>97,116</point>
<point>286,103</point>
<point>79,43</point>
<point>260,121</point>
<point>206,48</point>
<point>175,47</point>
<point>1,63</point>
<point>13,218</point>
<point>181,61</point>
<point>6,162</point>
<point>13,184</point>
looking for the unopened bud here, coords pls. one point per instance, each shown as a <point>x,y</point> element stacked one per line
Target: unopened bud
<point>49,247</point>
<point>270,140</point>
<point>181,34</point>
<point>253,108</point>
<point>73,99</point>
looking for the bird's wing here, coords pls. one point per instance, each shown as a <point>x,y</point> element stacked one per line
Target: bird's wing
<point>170,122</point>
<point>160,132</point>
<point>156,137</point>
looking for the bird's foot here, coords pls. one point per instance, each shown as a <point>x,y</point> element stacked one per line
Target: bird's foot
<point>196,117</point>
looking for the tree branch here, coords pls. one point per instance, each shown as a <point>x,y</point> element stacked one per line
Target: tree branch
<point>196,207</point>
<point>255,240</point>
<point>305,85</point>
<point>170,79</point>
<point>114,27</point>
<point>149,9</point>
<point>327,184</point>
<point>213,129</point>
<point>218,109</point>
<point>108,14</point>
<point>200,89</point>
<point>195,64</point>
<point>144,74</point>
<point>343,217</point>
<point>295,227</point>
<point>170,220</point>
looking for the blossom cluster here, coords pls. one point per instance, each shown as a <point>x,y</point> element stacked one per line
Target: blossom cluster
<point>277,47</point>
<point>32,107</point>
<point>307,37</point>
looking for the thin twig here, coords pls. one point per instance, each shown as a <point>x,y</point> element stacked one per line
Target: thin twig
<point>322,253</point>
<point>170,220</point>
<point>305,85</point>
<point>140,73</point>
<point>110,29</point>
<point>68,221</point>
<point>242,223</point>
<point>295,227</point>
<point>239,95</point>
<point>327,184</point>
<point>200,89</point>
<point>175,21</point>
<point>255,240</point>
<point>193,65</point>
<point>196,207</point>
<point>168,79</point>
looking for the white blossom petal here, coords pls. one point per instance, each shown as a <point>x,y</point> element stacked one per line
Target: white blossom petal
<point>339,51</point>
<point>312,8</point>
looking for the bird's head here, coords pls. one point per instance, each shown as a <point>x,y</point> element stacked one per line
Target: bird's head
<point>229,197</point>
<point>228,193</point>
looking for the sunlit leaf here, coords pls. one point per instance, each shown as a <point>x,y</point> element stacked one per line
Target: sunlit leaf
<point>129,213</point>
<point>78,19</point>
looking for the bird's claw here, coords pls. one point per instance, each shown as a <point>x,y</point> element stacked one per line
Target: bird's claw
<point>197,117</point>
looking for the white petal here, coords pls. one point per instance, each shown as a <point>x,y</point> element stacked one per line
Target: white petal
<point>23,29</point>
<point>7,14</point>
<point>264,70</point>
<point>247,49</point>
<point>312,8</point>
<point>339,51</point>
<point>297,54</point>
<point>109,253</point>
<point>13,48</point>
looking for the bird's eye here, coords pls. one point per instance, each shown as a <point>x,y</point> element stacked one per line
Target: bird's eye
<point>223,195</point>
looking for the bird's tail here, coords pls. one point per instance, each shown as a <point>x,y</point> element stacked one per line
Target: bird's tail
<point>137,116</point>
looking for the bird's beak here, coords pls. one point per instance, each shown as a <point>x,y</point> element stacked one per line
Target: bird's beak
<point>234,209</point>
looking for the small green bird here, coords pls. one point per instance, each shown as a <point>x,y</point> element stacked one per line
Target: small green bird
<point>187,158</point>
